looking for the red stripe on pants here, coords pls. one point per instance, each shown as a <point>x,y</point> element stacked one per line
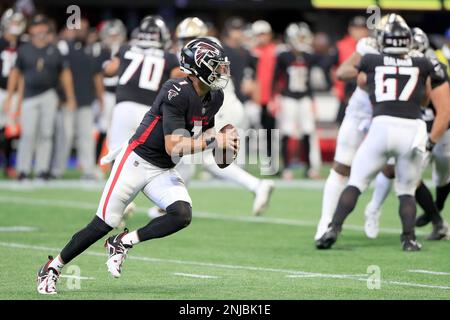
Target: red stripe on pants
<point>133,145</point>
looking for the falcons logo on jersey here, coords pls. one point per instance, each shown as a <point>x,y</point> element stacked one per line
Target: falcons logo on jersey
<point>204,49</point>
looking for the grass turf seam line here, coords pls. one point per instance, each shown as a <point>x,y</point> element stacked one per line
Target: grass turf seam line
<point>196,214</point>
<point>230,266</point>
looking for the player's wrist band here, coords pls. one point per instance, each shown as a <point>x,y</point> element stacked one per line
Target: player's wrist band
<point>430,144</point>
<point>211,142</point>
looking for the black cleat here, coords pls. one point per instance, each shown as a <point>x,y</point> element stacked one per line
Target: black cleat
<point>410,244</point>
<point>423,220</point>
<point>440,232</point>
<point>328,239</point>
<point>117,253</point>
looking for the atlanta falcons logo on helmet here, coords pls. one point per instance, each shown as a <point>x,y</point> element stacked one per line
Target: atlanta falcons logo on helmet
<point>204,49</point>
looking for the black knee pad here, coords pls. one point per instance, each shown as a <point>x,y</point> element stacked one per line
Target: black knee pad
<point>182,210</point>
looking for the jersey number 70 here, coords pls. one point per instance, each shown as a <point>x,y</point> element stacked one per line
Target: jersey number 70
<point>387,89</point>
<point>151,72</point>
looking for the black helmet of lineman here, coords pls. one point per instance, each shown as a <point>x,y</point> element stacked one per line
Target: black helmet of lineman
<point>395,37</point>
<point>153,33</point>
<point>13,22</point>
<point>205,59</point>
<point>420,40</point>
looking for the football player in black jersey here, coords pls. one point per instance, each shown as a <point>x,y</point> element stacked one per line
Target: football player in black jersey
<point>12,25</point>
<point>179,123</point>
<point>296,118</point>
<point>397,84</point>
<point>439,155</point>
<point>142,66</point>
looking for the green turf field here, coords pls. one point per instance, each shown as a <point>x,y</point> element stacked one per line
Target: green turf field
<point>224,254</point>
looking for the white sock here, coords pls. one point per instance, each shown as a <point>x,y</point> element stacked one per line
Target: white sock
<point>236,174</point>
<point>56,264</point>
<point>131,238</point>
<point>382,188</point>
<point>334,186</point>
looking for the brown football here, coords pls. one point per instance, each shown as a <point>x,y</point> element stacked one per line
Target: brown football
<point>224,157</point>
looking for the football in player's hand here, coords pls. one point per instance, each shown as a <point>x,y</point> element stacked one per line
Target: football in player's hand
<point>224,157</point>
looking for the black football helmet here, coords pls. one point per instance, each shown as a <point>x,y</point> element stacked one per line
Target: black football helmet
<point>420,40</point>
<point>152,33</point>
<point>395,37</point>
<point>205,59</point>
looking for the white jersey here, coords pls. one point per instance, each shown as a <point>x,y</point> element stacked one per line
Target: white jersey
<point>359,103</point>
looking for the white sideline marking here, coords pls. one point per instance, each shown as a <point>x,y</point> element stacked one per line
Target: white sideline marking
<point>76,277</point>
<point>196,214</point>
<point>191,275</point>
<point>230,266</point>
<point>17,229</point>
<point>337,276</point>
<point>437,273</point>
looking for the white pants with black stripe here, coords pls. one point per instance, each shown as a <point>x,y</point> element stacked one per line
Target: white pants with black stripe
<point>37,120</point>
<point>402,139</point>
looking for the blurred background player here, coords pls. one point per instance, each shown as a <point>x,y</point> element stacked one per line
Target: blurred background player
<point>112,35</point>
<point>142,67</point>
<point>12,26</point>
<point>232,112</point>
<point>42,67</point>
<point>265,52</point>
<point>78,123</point>
<point>357,29</point>
<point>353,129</point>
<point>296,118</point>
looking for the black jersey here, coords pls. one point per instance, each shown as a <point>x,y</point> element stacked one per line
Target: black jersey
<point>397,85</point>
<point>177,107</point>
<point>142,72</point>
<point>293,71</point>
<point>8,55</point>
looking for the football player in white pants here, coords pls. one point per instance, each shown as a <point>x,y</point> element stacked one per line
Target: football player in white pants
<point>439,156</point>
<point>353,129</point>
<point>232,112</point>
<point>397,129</point>
<point>147,163</point>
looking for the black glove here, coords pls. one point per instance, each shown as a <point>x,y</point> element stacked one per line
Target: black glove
<point>430,145</point>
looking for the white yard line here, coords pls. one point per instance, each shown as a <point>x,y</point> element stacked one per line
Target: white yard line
<point>437,273</point>
<point>336,276</point>
<point>230,266</point>
<point>76,277</point>
<point>197,214</point>
<point>17,229</point>
<point>191,275</point>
